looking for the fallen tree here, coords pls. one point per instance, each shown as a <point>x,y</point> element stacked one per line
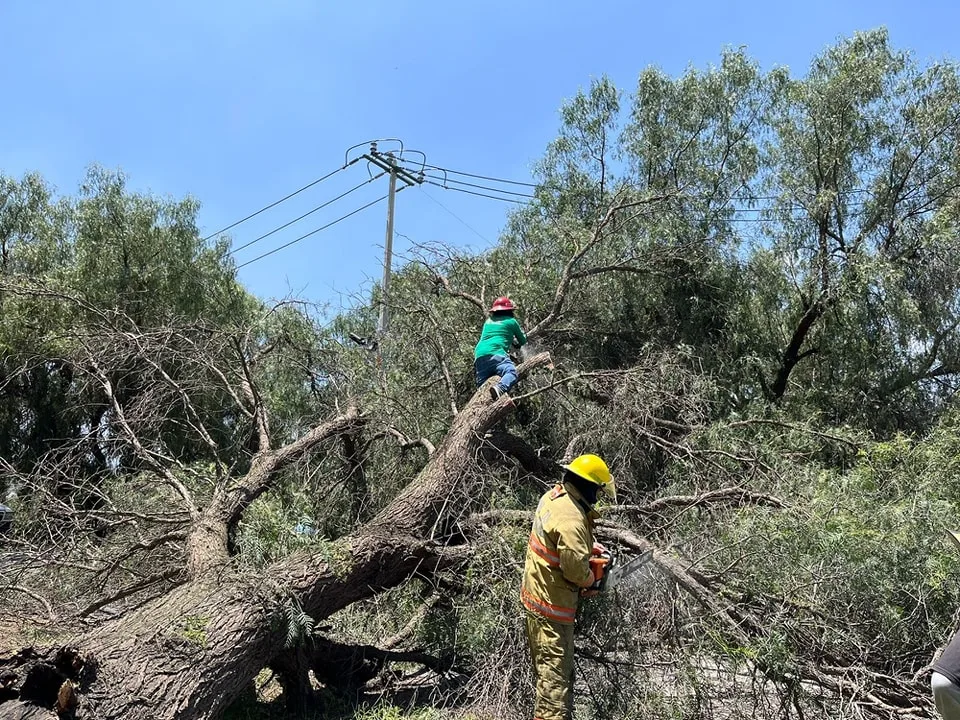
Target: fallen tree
<point>191,652</point>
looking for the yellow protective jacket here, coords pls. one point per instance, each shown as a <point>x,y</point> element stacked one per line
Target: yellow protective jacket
<point>558,555</point>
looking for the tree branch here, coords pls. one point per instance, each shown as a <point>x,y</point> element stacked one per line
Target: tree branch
<point>567,274</point>
<point>132,590</point>
<point>35,595</point>
<point>722,496</point>
<point>529,459</point>
<point>149,457</point>
<point>207,542</point>
<point>472,299</point>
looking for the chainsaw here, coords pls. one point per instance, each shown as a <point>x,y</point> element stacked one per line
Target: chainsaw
<point>615,574</point>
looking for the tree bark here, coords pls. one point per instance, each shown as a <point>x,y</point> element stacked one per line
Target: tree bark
<point>207,544</point>
<point>792,354</point>
<point>190,653</point>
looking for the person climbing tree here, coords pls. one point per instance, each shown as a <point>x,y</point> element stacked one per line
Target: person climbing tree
<point>559,569</point>
<point>492,354</point>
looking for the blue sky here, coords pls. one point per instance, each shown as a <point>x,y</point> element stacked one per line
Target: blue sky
<point>239,102</point>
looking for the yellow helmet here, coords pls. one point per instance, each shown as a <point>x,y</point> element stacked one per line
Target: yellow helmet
<point>594,469</point>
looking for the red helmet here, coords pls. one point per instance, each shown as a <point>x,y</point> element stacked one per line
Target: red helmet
<point>502,303</point>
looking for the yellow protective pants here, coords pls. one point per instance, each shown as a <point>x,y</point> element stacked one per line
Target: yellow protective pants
<point>551,649</point>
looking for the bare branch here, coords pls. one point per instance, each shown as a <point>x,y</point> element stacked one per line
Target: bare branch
<point>567,274</point>
<point>35,595</point>
<point>133,590</point>
<point>416,618</point>
<point>571,378</point>
<point>472,299</point>
<point>249,388</point>
<point>194,418</point>
<point>527,456</point>
<point>406,443</point>
<point>723,496</point>
<point>148,456</point>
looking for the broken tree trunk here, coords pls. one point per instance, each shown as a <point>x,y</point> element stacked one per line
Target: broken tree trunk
<point>190,653</point>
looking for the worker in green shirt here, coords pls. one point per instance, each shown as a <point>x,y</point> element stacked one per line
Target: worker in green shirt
<point>492,354</point>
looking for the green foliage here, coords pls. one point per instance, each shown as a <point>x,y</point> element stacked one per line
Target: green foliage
<point>785,288</point>
<point>389,712</point>
<point>193,629</point>
<point>279,524</point>
<point>861,555</point>
<point>108,255</point>
<point>299,624</point>
<point>475,628</point>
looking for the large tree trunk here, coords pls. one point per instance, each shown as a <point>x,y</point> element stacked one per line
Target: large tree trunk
<point>190,653</point>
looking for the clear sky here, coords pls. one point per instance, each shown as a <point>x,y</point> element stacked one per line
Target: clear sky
<point>238,102</point>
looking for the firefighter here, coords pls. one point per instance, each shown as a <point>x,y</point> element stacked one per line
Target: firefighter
<point>563,563</point>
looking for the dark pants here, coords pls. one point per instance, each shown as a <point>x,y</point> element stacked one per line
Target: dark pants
<point>487,366</point>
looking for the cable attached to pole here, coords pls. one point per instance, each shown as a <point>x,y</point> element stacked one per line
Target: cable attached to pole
<point>312,232</point>
<point>309,212</point>
<point>281,200</point>
<point>478,194</point>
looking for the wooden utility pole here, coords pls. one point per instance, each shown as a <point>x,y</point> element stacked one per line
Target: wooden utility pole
<point>388,163</point>
<point>384,322</point>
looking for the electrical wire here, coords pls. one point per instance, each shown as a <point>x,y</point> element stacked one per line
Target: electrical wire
<point>444,181</point>
<point>427,166</point>
<point>309,212</point>
<point>521,202</point>
<point>472,175</point>
<point>314,232</point>
<point>283,199</point>
<point>531,197</point>
<point>479,194</point>
<point>451,212</point>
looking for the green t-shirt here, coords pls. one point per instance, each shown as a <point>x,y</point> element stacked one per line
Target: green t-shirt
<point>497,337</point>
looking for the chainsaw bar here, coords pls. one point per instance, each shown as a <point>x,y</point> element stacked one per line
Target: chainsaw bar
<point>619,573</point>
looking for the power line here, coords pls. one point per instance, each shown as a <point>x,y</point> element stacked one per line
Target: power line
<point>444,181</point>
<point>768,220</point>
<point>283,199</point>
<point>309,212</point>
<point>479,194</point>
<point>425,166</point>
<point>531,197</point>
<point>462,221</point>
<point>314,232</point>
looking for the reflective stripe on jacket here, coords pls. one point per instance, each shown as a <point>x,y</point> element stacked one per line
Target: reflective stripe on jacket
<point>558,555</point>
